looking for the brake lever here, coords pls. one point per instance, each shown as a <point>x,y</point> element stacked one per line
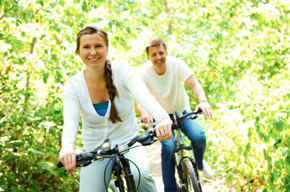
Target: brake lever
<point>147,138</point>
<point>85,159</point>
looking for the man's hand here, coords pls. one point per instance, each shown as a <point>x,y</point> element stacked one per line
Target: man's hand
<point>164,129</point>
<point>147,119</point>
<point>205,108</point>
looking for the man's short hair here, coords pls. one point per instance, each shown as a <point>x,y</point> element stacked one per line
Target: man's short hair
<point>155,43</point>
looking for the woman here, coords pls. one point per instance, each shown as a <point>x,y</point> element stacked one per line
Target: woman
<point>103,94</point>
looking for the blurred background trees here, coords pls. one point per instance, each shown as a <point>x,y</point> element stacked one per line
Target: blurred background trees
<point>239,51</point>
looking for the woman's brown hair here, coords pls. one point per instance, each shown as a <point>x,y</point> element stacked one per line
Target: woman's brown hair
<point>112,90</point>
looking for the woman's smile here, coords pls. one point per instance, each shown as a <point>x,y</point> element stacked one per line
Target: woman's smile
<point>93,50</point>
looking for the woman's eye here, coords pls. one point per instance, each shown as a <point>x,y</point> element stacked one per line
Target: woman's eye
<point>86,47</point>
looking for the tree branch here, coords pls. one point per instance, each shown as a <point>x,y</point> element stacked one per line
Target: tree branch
<point>169,22</point>
<point>32,44</point>
<point>27,94</point>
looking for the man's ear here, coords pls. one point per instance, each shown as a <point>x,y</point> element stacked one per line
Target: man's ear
<point>148,57</point>
<point>166,53</point>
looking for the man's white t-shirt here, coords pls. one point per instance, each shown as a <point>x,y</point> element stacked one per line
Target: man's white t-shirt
<point>168,89</point>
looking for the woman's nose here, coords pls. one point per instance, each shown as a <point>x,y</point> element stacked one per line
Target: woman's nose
<point>93,51</point>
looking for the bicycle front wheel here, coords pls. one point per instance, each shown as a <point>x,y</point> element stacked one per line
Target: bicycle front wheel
<point>193,183</point>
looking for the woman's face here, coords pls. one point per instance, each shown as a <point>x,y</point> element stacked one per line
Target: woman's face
<point>93,50</point>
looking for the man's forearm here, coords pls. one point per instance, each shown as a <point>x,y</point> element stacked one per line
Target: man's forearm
<point>139,108</point>
<point>199,92</point>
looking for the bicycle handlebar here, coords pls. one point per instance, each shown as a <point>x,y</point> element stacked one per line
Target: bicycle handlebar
<point>86,158</point>
<point>178,119</point>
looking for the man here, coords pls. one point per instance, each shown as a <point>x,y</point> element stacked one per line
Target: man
<point>165,77</point>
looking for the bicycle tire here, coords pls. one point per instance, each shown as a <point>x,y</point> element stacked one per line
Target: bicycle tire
<point>192,184</point>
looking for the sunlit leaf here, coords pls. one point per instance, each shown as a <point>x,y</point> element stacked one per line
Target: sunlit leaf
<point>278,124</point>
<point>229,178</point>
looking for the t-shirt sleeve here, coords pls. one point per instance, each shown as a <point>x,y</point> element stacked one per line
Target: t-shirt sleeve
<point>184,72</point>
<point>140,92</point>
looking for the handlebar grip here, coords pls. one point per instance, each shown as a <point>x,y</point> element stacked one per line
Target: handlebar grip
<point>174,126</point>
<point>145,139</point>
<point>154,132</point>
<point>59,164</point>
<point>199,111</point>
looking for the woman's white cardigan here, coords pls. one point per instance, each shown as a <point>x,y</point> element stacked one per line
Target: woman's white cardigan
<point>96,128</point>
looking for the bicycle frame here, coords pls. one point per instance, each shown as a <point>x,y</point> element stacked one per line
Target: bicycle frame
<point>179,152</point>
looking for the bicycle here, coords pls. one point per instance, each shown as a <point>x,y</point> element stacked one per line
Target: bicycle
<point>188,176</point>
<point>121,168</point>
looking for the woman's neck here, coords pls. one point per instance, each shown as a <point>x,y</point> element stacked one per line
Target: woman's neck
<point>94,75</point>
<point>97,87</point>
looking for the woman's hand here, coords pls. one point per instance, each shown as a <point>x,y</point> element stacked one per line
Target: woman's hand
<point>164,129</point>
<point>69,161</point>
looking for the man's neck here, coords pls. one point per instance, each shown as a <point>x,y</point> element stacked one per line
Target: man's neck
<point>159,71</point>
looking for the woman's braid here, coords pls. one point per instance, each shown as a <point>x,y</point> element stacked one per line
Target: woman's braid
<point>112,90</point>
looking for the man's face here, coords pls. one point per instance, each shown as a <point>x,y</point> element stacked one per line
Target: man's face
<point>157,55</point>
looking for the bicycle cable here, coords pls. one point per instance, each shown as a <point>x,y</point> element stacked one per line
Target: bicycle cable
<point>116,155</point>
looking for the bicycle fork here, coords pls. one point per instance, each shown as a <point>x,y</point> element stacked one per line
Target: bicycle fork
<point>128,175</point>
<point>179,161</point>
<point>119,183</point>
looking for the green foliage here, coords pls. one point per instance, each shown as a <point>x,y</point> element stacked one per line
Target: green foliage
<point>237,49</point>
<point>251,136</point>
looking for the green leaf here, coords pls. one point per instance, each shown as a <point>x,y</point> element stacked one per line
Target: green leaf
<point>243,169</point>
<point>62,2</point>
<point>279,140</point>
<point>278,124</point>
<point>240,150</point>
<point>247,149</point>
<point>263,135</point>
<point>45,166</point>
<point>35,151</point>
<point>85,7</point>
<point>45,77</point>
<point>229,178</point>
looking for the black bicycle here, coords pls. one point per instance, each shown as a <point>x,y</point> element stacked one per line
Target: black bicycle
<point>121,167</point>
<point>186,165</point>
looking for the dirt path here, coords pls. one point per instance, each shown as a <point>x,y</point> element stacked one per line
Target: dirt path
<point>217,184</point>
<point>155,164</point>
